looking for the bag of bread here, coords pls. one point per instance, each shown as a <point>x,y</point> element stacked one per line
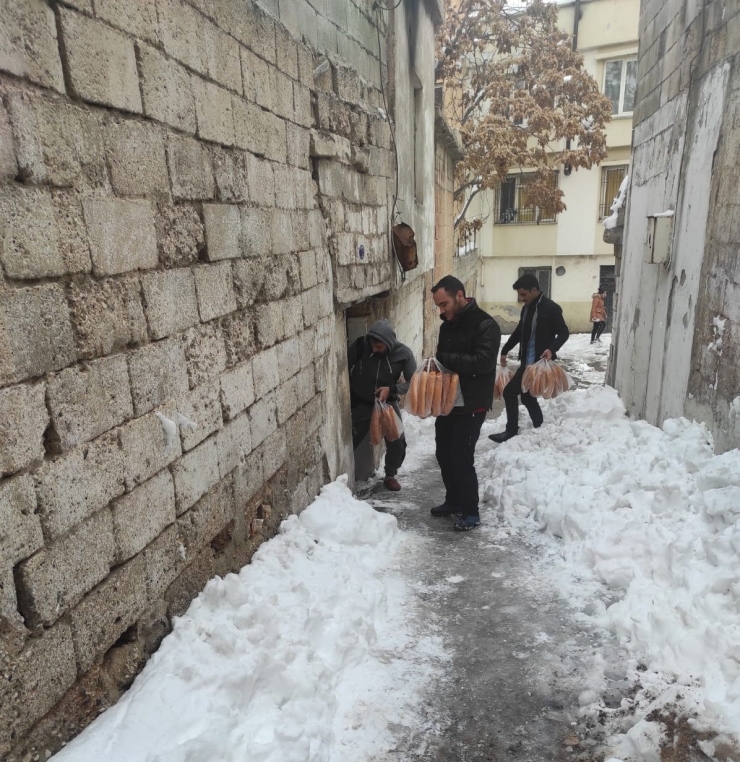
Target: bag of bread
<point>503,376</point>
<point>433,390</point>
<point>385,423</point>
<point>546,379</point>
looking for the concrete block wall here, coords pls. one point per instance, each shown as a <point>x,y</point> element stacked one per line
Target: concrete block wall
<point>188,193</point>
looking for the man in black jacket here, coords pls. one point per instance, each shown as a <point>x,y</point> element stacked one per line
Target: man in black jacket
<point>469,341</point>
<point>541,332</point>
<point>377,361</point>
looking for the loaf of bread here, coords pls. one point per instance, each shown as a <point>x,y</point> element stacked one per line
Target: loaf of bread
<point>376,425</point>
<point>437,394</point>
<point>452,384</point>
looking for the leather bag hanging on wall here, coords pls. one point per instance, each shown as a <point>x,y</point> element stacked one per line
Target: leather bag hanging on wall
<point>405,246</point>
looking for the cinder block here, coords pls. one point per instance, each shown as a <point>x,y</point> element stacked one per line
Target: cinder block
<point>181,33</point>
<point>76,485</point>
<point>287,400</point>
<point>261,182</point>
<point>158,373</point>
<point>205,351</point>
<point>289,358</point>
<point>107,315</point>
<point>276,143</point>
<point>251,26</point>
<point>122,235</point>
<point>269,325</point>
<point>191,171</point>
<point>56,142</point>
<point>144,447</point>
<point>88,401</point>
<point>223,231</point>
<point>164,559</point>
<point>20,527</point>
<point>238,330</point>
<point>71,232</point>
<point>292,315</point>
<point>101,62</point>
<point>142,515</point>
<point>309,276</point>
<point>34,681</point>
<point>298,143</point>
<point>136,157</point>
<point>180,234</point>
<point>208,517</point>
<point>215,287</point>
<point>251,125</point>
<point>306,385</point>
<point>171,303</point>
<point>202,406</point>
<point>263,418</point>
<point>248,479</point>
<point>166,89</point>
<point>230,172</point>
<point>274,454</point>
<point>195,474</point>
<point>213,112</point>
<point>287,52</point>
<point>256,231</point>
<point>282,232</point>
<point>190,581</point>
<point>28,42</point>
<point>237,390</point>
<point>8,163</point>
<point>265,372</point>
<point>139,19</point>
<point>302,109</point>
<point>222,58</point>
<point>35,326</point>
<point>234,443</point>
<point>55,578</point>
<point>256,79</point>
<point>99,620</point>
<point>23,420</point>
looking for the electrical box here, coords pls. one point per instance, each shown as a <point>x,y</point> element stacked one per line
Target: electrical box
<point>658,241</point>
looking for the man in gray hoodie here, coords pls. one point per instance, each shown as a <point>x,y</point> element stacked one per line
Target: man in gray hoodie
<point>377,361</point>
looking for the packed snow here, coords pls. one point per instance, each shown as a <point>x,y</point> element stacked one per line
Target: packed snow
<point>313,651</point>
<point>309,653</point>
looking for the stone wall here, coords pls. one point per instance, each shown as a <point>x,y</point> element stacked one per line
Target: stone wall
<point>667,361</point>
<point>190,192</point>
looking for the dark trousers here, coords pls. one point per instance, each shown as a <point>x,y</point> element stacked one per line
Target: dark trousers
<point>395,452</point>
<point>512,391</point>
<point>456,435</point>
<point>598,329</point>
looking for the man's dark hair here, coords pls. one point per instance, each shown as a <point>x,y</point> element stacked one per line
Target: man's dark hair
<point>527,282</point>
<point>602,289</point>
<point>450,284</point>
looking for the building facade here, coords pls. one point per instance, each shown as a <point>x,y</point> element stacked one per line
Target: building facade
<point>567,253</point>
<point>677,346</point>
<point>193,196</point>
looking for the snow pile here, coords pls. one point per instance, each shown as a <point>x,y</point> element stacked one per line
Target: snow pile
<point>647,523</point>
<point>611,221</point>
<point>306,654</point>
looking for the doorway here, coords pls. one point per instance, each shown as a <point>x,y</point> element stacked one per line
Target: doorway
<point>608,280</point>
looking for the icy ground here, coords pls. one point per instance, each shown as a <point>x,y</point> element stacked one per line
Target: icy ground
<point>593,610</point>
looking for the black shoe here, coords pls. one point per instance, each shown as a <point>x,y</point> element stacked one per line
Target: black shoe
<point>444,510</point>
<point>503,436</point>
<point>466,523</point>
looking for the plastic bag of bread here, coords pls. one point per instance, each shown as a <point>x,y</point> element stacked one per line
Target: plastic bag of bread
<point>546,379</point>
<point>385,423</point>
<point>503,376</point>
<point>433,390</point>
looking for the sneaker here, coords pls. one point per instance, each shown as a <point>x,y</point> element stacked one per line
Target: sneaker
<point>391,483</point>
<point>502,436</point>
<point>444,510</point>
<point>466,523</point>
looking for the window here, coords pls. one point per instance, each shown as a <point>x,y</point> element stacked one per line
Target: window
<point>620,84</point>
<point>512,204</point>
<point>611,179</point>
<point>543,275</point>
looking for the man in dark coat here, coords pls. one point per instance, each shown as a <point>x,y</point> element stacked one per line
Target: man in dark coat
<point>541,332</point>
<point>377,361</point>
<point>469,341</point>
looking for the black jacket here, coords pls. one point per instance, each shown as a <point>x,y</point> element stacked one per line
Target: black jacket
<point>468,345</point>
<point>551,332</point>
<point>369,371</point>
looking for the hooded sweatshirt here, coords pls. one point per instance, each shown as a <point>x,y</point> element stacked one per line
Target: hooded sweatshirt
<point>369,371</point>
<point>598,312</point>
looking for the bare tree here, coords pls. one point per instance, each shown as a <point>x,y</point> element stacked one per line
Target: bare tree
<point>521,98</point>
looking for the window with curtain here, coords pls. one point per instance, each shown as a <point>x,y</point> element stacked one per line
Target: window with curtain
<point>620,84</point>
<point>611,179</point>
<point>513,205</point>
